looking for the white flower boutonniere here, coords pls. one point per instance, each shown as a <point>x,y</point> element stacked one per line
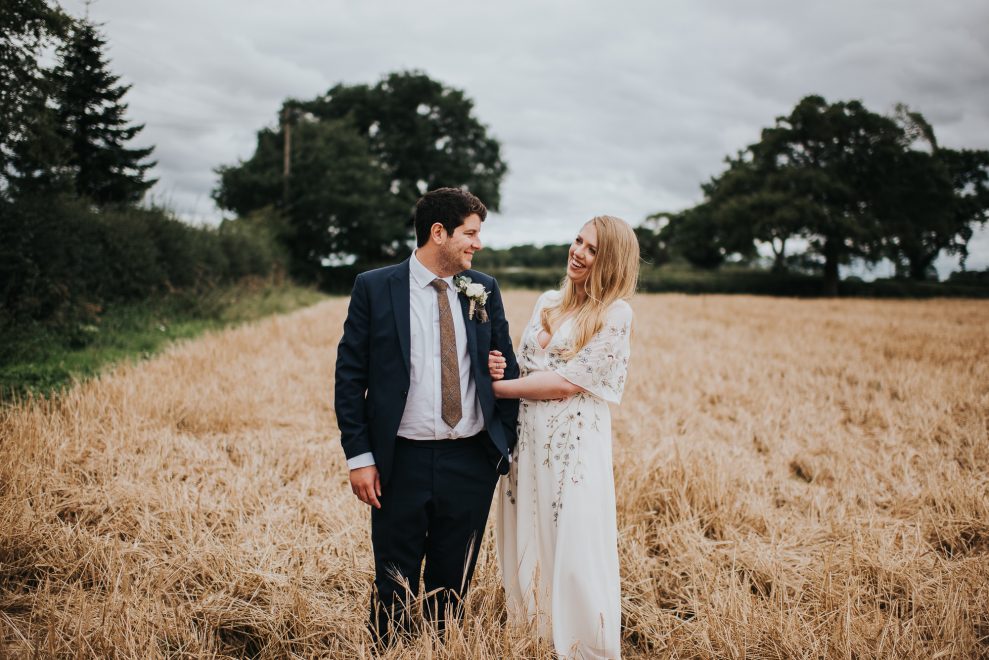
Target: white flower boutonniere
<point>476,297</point>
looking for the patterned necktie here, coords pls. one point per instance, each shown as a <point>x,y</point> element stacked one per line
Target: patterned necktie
<point>449,364</point>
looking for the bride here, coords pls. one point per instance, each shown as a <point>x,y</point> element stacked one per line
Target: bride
<point>557,534</point>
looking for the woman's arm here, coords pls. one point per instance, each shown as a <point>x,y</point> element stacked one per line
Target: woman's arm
<point>540,385</point>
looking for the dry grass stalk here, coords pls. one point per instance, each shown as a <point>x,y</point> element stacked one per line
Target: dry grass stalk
<point>795,479</point>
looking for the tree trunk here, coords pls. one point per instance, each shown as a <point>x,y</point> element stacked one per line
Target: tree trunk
<point>831,266</point>
<point>919,266</point>
<point>779,256</point>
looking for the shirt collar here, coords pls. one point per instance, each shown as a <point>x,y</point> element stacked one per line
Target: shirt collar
<point>422,276</point>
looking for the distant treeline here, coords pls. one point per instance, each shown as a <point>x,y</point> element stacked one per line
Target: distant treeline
<point>523,256</point>
<point>683,278</point>
<point>542,268</point>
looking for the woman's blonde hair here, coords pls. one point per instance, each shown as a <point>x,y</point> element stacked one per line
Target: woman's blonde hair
<point>613,276</point>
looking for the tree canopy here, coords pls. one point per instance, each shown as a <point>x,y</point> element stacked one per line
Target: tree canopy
<point>358,157</point>
<point>849,182</point>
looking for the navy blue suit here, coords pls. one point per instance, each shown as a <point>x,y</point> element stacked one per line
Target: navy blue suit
<point>435,494</point>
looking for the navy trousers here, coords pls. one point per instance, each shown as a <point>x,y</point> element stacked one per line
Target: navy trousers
<point>433,510</point>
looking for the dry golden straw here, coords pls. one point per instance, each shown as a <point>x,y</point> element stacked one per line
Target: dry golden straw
<point>795,479</point>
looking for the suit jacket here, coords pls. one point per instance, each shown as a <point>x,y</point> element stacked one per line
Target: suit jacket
<point>373,370</point>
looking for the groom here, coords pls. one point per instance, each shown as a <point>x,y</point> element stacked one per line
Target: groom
<point>425,438</point>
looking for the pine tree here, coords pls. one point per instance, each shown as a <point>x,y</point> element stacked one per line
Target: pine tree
<point>92,122</point>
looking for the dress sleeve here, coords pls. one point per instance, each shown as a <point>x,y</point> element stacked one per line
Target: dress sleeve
<point>601,366</point>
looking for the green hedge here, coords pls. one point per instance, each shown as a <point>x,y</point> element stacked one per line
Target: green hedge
<point>62,260</point>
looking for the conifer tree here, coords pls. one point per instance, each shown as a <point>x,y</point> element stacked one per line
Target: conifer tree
<point>91,117</point>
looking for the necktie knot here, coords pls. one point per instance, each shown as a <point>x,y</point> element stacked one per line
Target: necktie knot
<point>439,285</point>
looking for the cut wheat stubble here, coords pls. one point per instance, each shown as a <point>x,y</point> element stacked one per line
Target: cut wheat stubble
<point>795,478</point>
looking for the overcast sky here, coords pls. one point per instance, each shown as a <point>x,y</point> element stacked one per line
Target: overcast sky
<point>620,107</point>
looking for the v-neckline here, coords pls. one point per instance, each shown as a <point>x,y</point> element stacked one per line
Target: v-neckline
<point>540,330</point>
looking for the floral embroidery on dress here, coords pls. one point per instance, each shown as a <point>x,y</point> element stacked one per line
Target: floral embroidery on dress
<point>563,451</point>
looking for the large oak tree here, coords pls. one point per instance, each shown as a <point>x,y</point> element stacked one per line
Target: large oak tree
<point>359,157</point>
<point>850,183</point>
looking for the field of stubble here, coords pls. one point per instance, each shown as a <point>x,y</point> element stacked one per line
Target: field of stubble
<point>795,478</point>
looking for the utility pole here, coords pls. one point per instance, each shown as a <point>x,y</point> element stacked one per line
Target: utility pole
<point>287,155</point>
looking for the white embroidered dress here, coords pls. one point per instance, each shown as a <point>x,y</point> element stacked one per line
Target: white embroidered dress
<point>556,529</point>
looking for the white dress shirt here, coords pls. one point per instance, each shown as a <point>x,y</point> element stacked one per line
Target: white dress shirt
<point>423,418</point>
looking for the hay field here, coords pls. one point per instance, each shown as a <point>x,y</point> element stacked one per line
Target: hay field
<point>795,478</point>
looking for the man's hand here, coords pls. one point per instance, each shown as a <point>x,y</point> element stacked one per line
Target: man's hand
<point>366,485</point>
<point>496,365</point>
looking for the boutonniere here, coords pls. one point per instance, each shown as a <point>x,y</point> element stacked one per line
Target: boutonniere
<point>476,297</point>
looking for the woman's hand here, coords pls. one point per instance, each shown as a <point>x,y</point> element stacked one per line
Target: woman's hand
<point>496,365</point>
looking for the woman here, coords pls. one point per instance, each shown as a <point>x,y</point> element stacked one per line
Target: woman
<point>557,535</point>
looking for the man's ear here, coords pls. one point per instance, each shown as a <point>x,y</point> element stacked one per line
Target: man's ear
<point>437,232</point>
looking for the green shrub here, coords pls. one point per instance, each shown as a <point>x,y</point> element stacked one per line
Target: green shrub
<point>62,260</point>
<point>130,266</point>
<point>51,252</point>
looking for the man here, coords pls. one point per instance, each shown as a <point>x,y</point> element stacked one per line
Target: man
<point>425,438</point>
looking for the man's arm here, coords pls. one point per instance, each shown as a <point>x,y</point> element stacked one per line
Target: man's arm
<point>350,389</point>
<point>506,409</point>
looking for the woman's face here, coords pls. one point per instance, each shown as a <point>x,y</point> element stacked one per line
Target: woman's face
<point>582,252</point>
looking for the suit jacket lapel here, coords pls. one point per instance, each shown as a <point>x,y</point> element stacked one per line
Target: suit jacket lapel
<point>400,303</point>
<point>470,327</point>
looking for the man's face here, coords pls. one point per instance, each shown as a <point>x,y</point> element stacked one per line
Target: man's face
<point>457,253</point>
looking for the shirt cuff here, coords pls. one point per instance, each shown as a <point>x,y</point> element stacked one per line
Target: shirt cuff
<point>361,461</point>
